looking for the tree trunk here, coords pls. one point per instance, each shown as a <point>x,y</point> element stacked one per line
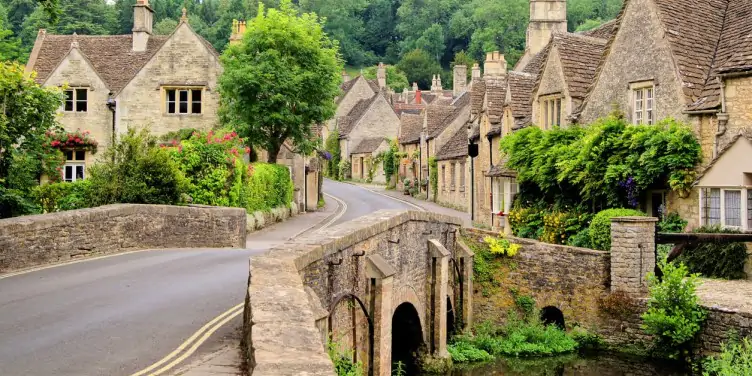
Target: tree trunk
<point>273,152</point>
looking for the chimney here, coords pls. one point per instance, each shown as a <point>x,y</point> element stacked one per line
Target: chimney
<point>495,65</point>
<point>460,80</point>
<point>415,86</point>
<point>476,73</point>
<point>143,18</point>
<point>417,97</point>
<point>381,75</point>
<point>238,29</point>
<point>345,76</point>
<point>546,17</point>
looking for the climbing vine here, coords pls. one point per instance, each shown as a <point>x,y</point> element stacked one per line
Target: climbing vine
<point>433,167</point>
<point>332,146</point>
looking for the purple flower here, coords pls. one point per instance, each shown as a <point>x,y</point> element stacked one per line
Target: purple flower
<point>325,154</point>
<point>632,191</point>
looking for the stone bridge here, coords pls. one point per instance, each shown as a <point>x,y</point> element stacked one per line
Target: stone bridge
<point>388,285</point>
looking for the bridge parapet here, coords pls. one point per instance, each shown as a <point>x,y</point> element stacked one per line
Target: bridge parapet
<point>359,273</point>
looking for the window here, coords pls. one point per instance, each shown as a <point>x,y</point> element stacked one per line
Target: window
<point>462,176</point>
<point>183,101</point>
<point>443,178</point>
<point>644,103</point>
<point>75,100</point>
<point>726,207</point>
<point>75,165</point>
<point>497,185</point>
<point>513,189</point>
<point>452,175</point>
<point>551,111</point>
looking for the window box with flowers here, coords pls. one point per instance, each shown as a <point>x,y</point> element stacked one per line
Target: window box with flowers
<point>74,146</point>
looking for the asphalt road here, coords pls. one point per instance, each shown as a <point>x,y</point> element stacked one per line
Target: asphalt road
<point>117,315</point>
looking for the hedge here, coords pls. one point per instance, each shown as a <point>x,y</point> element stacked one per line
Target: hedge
<point>600,227</point>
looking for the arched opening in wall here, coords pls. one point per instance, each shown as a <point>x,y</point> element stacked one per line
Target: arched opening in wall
<point>552,316</point>
<point>407,337</point>
<point>450,317</point>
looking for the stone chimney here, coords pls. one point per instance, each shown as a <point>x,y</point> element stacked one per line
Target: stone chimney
<point>143,18</point>
<point>546,17</point>
<point>459,80</point>
<point>345,76</point>
<point>415,86</point>
<point>418,97</point>
<point>476,73</point>
<point>495,65</point>
<point>238,29</point>
<point>381,75</point>
<point>436,83</point>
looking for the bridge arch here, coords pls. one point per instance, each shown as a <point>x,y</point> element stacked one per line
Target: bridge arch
<point>407,338</point>
<point>551,315</point>
<point>451,319</point>
<point>407,294</point>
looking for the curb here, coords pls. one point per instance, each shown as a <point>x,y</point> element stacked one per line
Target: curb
<point>419,207</point>
<point>324,220</point>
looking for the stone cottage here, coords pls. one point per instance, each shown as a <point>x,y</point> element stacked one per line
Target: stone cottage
<point>113,83</point>
<point>364,155</point>
<point>411,126</point>
<point>369,118</point>
<point>353,91</point>
<point>691,61</point>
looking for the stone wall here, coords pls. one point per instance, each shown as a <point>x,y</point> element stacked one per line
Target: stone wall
<point>381,258</point>
<point>40,239</point>
<point>738,93</point>
<point>454,194</point>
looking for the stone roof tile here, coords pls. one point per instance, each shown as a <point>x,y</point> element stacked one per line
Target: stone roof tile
<point>521,87</point>
<point>368,145</point>
<point>496,93</point>
<point>347,122</point>
<point>477,96</point>
<point>410,128</point>
<point>579,56</point>
<point>455,147</point>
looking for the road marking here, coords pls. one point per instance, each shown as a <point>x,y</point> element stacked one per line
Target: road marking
<point>343,207</point>
<point>393,198</point>
<point>206,329</point>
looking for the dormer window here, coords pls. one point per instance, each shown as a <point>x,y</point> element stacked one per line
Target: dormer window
<point>643,103</point>
<point>183,101</point>
<point>550,111</point>
<point>75,100</point>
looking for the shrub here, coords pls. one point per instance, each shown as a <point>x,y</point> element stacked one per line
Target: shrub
<point>600,227</point>
<point>559,226</point>
<point>345,169</point>
<point>433,172</point>
<point>332,146</point>
<point>580,239</point>
<point>136,171</point>
<point>674,315</point>
<point>57,197</point>
<point>463,351</point>
<point>343,364</point>
<point>716,260</point>
<point>735,359</point>
<point>269,186</point>
<point>671,222</point>
<point>501,246</point>
<point>527,222</point>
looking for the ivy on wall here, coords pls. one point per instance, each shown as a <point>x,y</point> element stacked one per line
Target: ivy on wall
<point>433,168</point>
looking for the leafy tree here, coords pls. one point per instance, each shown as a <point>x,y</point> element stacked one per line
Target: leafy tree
<point>344,22</point>
<point>419,67</point>
<point>380,36</point>
<point>395,78</point>
<point>461,58</point>
<point>10,46</point>
<point>165,27</point>
<point>332,146</point>
<point>589,25</point>
<point>28,113</point>
<point>280,79</point>
<point>581,11</point>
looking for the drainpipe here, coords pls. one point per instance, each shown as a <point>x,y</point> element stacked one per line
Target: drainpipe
<point>472,192</point>
<point>112,106</point>
<point>723,117</point>
<point>490,159</point>
<point>305,188</point>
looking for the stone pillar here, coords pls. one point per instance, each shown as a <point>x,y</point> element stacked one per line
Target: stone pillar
<point>466,259</point>
<point>632,253</point>
<point>439,268</point>
<point>380,277</point>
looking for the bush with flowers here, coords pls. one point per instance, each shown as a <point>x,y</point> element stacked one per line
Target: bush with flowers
<point>78,140</point>
<point>501,246</point>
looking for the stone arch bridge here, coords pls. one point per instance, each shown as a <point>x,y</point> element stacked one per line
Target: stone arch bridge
<point>384,286</point>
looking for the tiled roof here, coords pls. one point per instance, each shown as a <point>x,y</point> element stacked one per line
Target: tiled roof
<point>501,170</point>
<point>494,131</point>
<point>437,117</point>
<point>462,101</point>
<point>374,84</point>
<point>368,145</point>
<point>455,147</point>
<point>521,87</point>
<point>347,122</point>
<point>496,93</point>
<point>410,128</point>
<point>604,31</point>
<point>536,63</point>
<point>112,56</point>
<point>579,56</point>
<point>427,97</point>
<point>477,95</point>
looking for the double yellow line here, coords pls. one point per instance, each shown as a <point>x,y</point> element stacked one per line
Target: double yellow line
<point>197,339</point>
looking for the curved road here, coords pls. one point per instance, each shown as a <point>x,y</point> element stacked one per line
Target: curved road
<point>117,315</point>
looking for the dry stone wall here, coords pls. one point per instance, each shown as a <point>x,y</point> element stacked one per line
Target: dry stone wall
<point>40,239</point>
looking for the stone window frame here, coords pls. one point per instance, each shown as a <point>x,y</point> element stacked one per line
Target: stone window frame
<point>551,108</point>
<point>77,105</point>
<point>462,176</point>
<point>75,162</point>
<point>708,201</point>
<point>452,175</point>
<point>645,91</point>
<point>190,101</point>
<point>443,177</point>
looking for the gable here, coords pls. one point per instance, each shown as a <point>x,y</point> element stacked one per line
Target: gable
<point>639,51</point>
<point>552,81</point>
<point>379,120</point>
<point>75,70</point>
<point>729,169</point>
<point>358,89</point>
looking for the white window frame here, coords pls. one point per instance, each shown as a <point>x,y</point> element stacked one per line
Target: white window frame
<point>642,96</point>
<point>189,102</point>
<point>497,189</point>
<point>75,100</point>
<point>74,163</point>
<point>746,222</point>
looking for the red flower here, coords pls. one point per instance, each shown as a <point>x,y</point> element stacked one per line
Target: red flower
<point>78,140</point>
<point>55,143</point>
<point>247,150</point>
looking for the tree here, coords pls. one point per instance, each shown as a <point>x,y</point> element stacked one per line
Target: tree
<point>280,79</point>
<point>28,113</point>
<point>395,78</point>
<point>165,27</point>
<point>10,46</point>
<point>419,67</point>
<point>461,58</point>
<point>589,25</point>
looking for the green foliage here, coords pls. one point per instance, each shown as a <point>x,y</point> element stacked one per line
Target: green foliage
<point>345,169</point>
<point>671,222</point>
<point>165,26</point>
<point>395,78</point>
<point>527,222</point>
<point>28,113</point>
<point>269,186</point>
<point>280,80</point>
<point>715,260</point>
<point>332,146</point>
<point>433,172</point>
<point>419,67</point>
<point>501,246</point>
<point>559,226</point>
<point>606,164</point>
<point>465,352</point>
<point>343,364</point>
<point>584,12</point>
<point>391,161</point>
<point>735,359</point>
<point>57,197</point>
<point>587,341</point>
<point>589,25</point>
<point>136,171</point>
<point>600,227</point>
<point>461,58</point>
<point>580,239</point>
<point>674,315</point>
